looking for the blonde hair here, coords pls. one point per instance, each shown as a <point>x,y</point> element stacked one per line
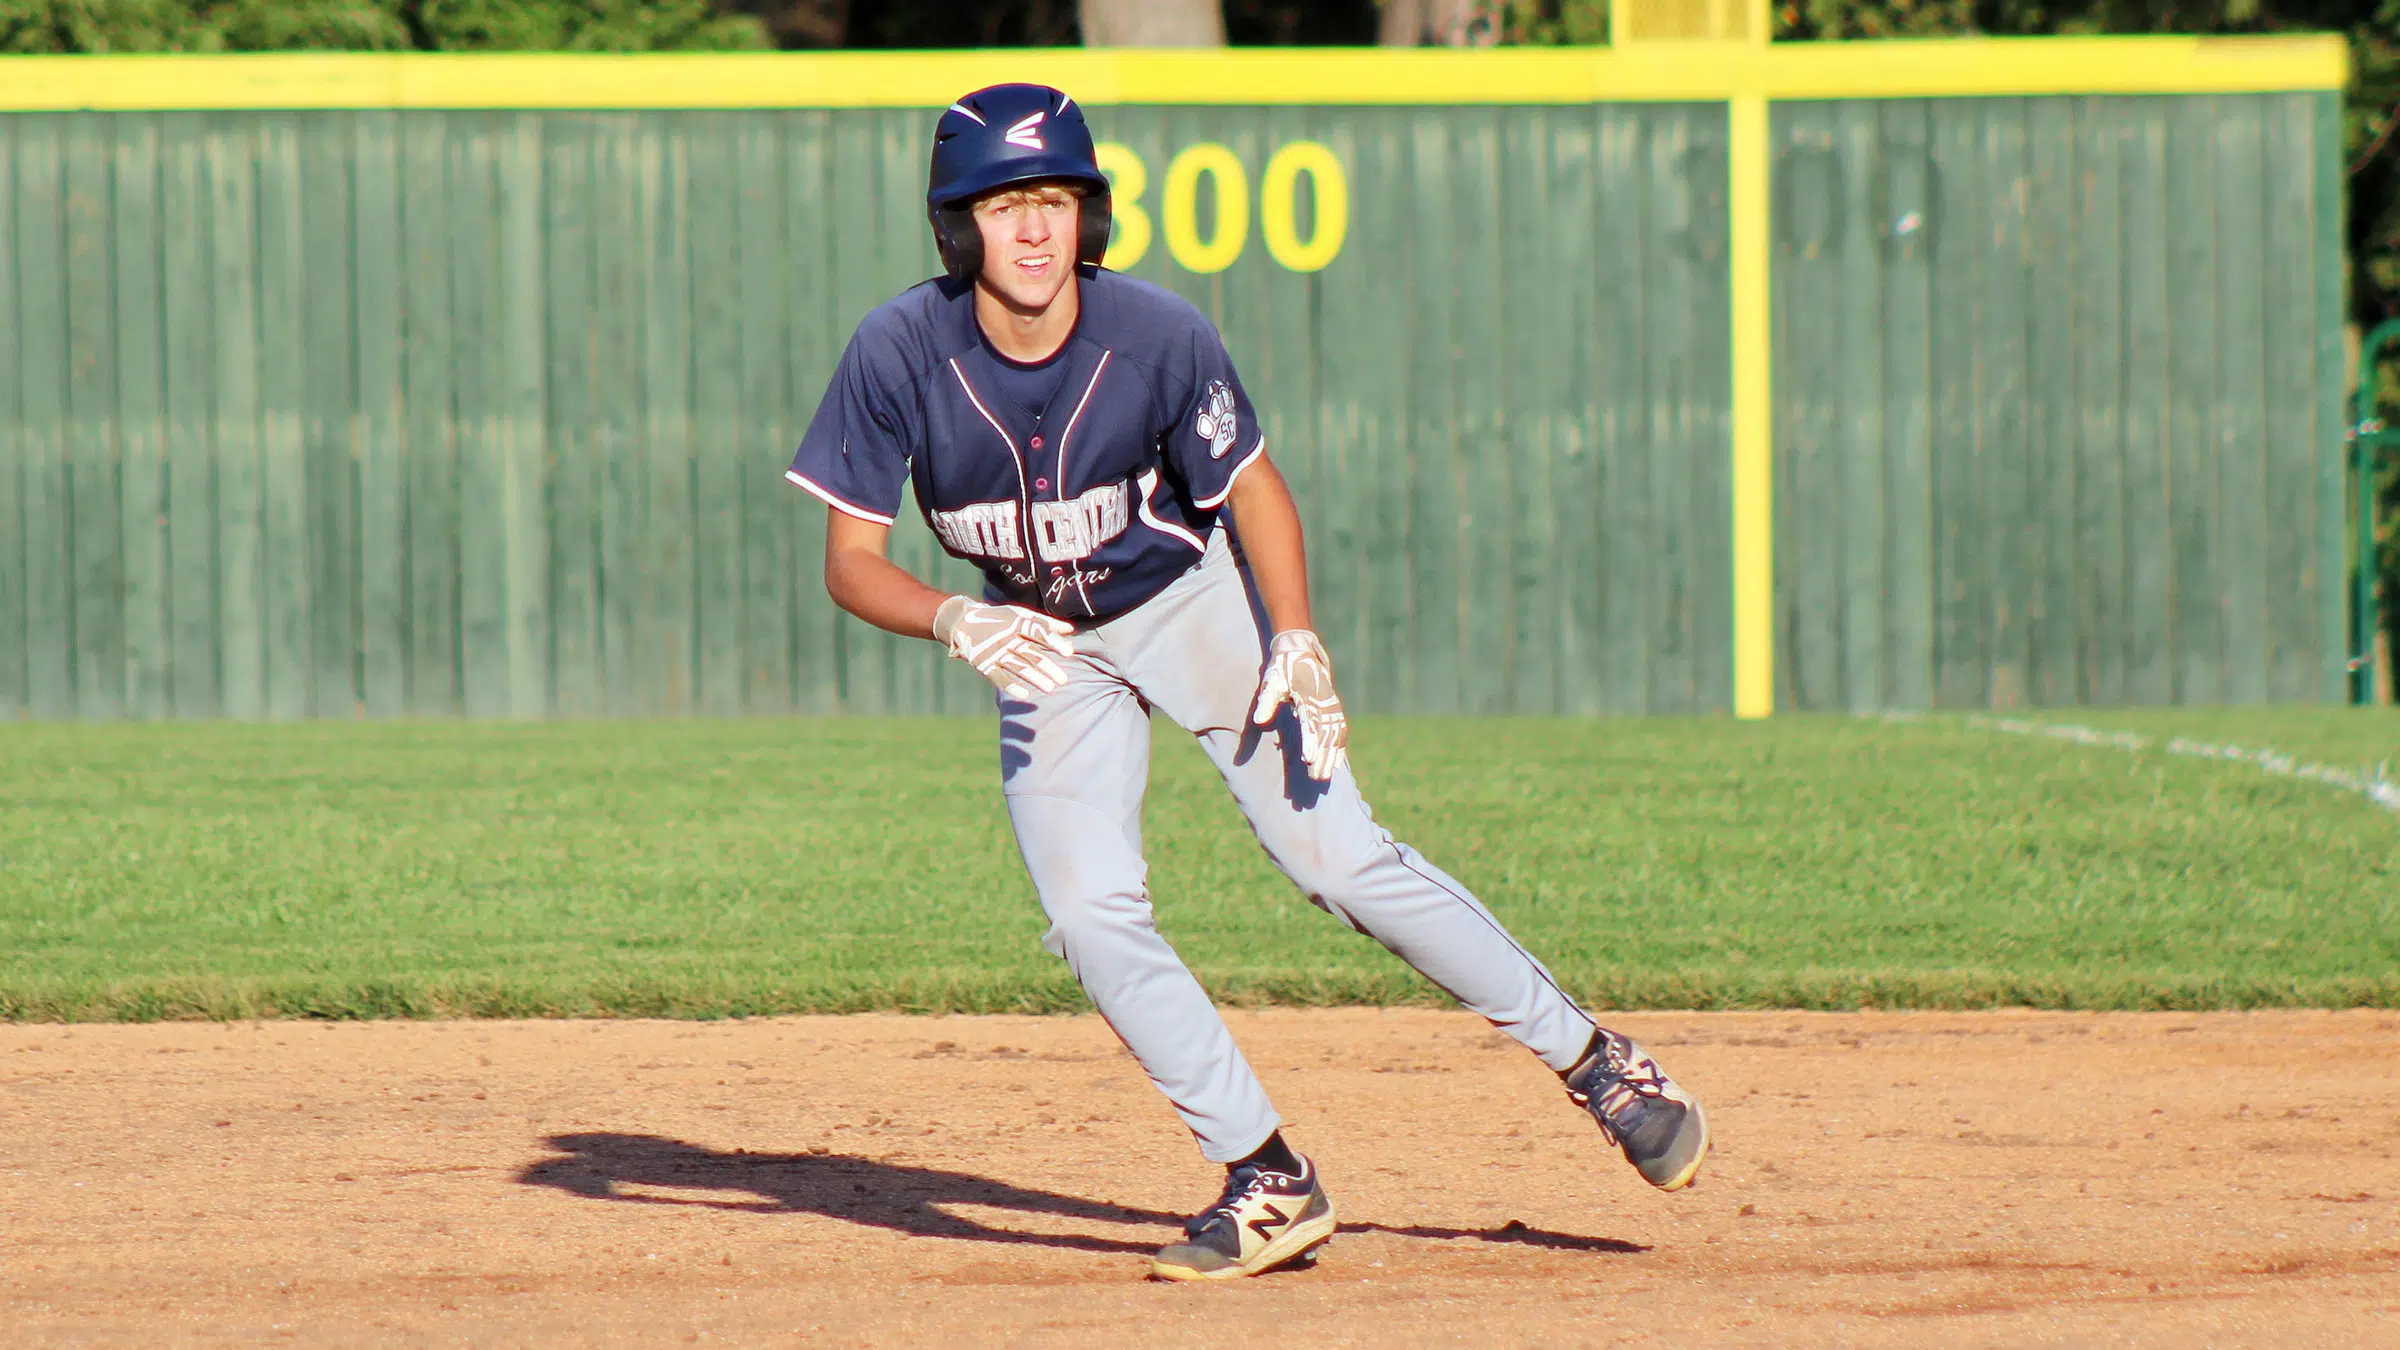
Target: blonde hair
<point>1029,191</point>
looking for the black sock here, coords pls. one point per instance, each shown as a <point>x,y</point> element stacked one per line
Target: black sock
<point>1590,1048</point>
<point>1273,1156</point>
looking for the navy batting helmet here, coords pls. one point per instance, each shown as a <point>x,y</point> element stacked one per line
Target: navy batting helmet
<point>1002,136</point>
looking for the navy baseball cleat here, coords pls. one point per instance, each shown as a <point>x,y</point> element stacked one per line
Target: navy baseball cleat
<point>1264,1220</point>
<point>1659,1125</point>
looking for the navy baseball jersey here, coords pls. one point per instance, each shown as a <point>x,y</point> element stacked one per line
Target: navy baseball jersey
<point>1081,485</point>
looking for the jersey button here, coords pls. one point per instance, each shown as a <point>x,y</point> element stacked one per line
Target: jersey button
<point>1037,442</point>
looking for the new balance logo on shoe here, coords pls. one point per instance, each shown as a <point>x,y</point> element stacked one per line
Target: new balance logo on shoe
<point>1266,1224</point>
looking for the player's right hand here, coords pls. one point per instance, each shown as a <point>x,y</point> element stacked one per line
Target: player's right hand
<point>1013,647</point>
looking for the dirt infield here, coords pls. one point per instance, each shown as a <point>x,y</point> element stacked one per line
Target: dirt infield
<point>1879,1179</point>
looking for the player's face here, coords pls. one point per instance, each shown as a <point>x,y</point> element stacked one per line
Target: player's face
<point>1028,244</point>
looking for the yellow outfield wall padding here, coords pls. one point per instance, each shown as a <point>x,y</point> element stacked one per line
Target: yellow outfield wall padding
<point>1990,67</point>
<point>1663,71</point>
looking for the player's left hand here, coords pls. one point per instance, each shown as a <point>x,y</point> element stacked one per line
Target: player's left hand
<point>1298,670</point>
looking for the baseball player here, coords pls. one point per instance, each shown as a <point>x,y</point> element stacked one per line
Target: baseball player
<point>1083,438</point>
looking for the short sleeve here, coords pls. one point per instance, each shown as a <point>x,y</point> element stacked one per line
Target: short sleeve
<point>855,454</point>
<point>1215,434</point>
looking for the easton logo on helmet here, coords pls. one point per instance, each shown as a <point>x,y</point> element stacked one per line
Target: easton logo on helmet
<point>1026,132</point>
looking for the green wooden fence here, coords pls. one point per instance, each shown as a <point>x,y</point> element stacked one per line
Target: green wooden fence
<point>2058,412</point>
<point>344,413</point>
<point>384,413</point>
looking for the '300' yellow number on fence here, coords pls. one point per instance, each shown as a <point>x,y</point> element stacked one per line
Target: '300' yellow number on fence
<point>1179,206</point>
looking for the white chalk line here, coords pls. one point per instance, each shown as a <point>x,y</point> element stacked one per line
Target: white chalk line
<point>2377,787</point>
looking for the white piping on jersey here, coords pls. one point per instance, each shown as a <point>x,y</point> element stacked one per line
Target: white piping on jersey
<point>1149,484</point>
<point>963,108</point>
<point>1077,416</point>
<point>1024,492</point>
<point>1065,436</point>
<point>835,502</point>
<point>1006,439</point>
<point>1247,460</point>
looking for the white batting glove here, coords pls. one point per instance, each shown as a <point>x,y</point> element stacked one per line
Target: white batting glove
<point>1299,670</point>
<point>1013,647</point>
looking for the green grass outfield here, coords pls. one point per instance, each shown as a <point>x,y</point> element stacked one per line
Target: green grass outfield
<point>724,868</point>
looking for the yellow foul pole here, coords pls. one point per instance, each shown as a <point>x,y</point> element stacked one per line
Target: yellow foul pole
<point>1749,195</point>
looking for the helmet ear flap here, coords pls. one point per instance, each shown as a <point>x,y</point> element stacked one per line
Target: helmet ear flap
<point>1091,237</point>
<point>958,241</point>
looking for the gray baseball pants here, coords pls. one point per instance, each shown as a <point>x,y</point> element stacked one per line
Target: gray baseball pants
<point>1074,765</point>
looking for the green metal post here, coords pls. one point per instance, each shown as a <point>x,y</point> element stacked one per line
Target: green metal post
<point>2367,434</point>
<point>2362,613</point>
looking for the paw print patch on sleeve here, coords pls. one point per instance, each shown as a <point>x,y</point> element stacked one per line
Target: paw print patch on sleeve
<point>1215,424</point>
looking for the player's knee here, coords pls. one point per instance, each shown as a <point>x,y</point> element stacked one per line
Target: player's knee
<point>1083,920</point>
<point>1339,911</point>
<point>1330,878</point>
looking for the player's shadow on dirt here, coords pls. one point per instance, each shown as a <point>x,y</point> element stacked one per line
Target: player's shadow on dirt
<point>1512,1231</point>
<point>902,1199</point>
<point>856,1190</point>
